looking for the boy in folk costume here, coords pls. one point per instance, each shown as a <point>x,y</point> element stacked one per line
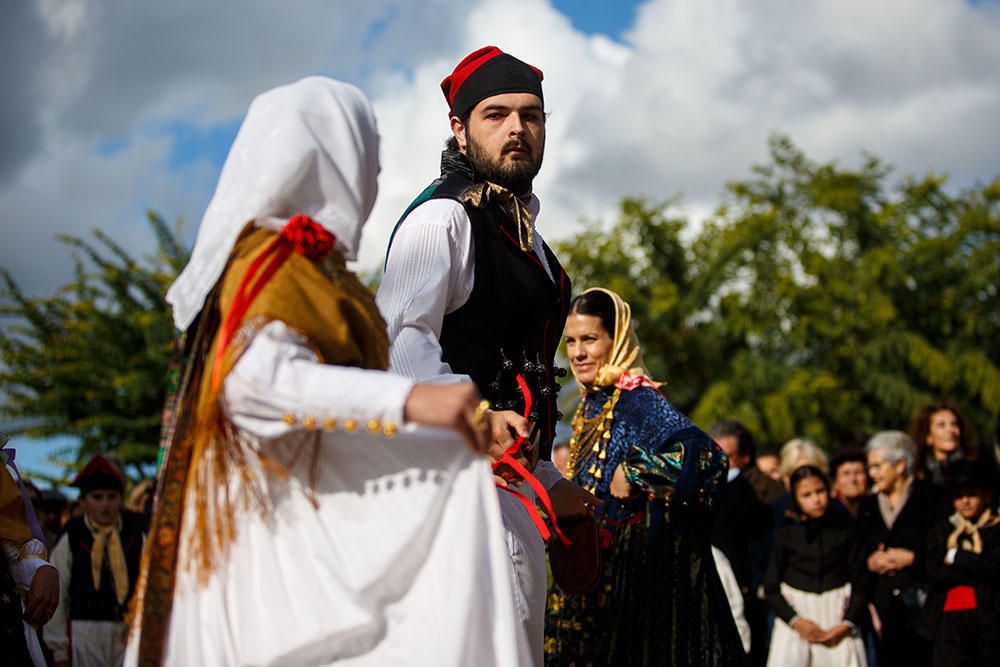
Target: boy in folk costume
<point>963,563</point>
<point>302,516</point>
<point>98,561</point>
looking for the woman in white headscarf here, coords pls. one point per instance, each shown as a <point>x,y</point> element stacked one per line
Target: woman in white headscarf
<point>303,518</point>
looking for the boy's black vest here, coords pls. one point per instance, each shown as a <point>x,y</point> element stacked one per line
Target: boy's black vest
<point>101,605</point>
<point>513,321</point>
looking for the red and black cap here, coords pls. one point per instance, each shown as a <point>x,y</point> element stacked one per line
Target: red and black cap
<point>485,73</point>
<point>100,474</point>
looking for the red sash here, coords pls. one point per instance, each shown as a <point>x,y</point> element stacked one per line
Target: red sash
<point>543,495</point>
<point>960,598</point>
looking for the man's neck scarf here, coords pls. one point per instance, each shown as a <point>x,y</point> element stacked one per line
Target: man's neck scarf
<point>107,540</point>
<point>625,366</point>
<point>483,194</point>
<point>967,529</point>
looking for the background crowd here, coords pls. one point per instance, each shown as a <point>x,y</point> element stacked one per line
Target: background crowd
<point>885,553</point>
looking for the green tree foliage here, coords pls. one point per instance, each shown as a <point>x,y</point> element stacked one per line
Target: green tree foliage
<point>90,361</point>
<point>816,301</point>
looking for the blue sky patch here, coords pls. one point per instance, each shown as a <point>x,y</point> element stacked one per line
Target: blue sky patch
<point>604,17</point>
<point>111,147</point>
<point>192,142</point>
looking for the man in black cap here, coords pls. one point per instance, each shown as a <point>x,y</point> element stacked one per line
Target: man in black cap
<point>98,561</point>
<point>472,292</point>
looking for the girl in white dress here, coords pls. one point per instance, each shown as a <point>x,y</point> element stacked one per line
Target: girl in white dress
<point>814,581</point>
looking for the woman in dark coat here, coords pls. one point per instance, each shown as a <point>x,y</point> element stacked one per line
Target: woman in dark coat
<point>892,527</point>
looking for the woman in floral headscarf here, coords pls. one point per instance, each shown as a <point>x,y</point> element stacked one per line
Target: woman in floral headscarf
<point>658,599</point>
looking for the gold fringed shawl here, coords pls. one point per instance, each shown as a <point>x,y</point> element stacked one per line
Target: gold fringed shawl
<point>326,304</point>
<point>13,519</point>
<point>626,355</point>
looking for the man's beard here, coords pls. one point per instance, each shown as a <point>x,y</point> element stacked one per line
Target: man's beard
<point>516,175</point>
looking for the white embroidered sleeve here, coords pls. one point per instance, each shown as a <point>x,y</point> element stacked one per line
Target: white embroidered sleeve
<point>429,273</point>
<point>278,385</point>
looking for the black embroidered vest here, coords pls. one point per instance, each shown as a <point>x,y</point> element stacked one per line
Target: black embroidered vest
<point>513,320</point>
<point>101,605</point>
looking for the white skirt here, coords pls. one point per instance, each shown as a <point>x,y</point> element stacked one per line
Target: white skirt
<point>403,562</point>
<point>826,610</point>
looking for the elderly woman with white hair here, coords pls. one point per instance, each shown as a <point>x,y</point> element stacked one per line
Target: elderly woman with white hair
<point>892,525</point>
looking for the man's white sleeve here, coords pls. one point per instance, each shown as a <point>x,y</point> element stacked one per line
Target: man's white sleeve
<point>279,385</point>
<point>429,273</point>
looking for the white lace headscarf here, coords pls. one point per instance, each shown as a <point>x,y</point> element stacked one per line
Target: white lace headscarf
<point>307,147</point>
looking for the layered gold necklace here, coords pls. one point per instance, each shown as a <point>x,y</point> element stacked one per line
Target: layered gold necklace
<point>590,440</point>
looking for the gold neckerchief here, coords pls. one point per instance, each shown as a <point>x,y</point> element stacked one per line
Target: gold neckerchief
<point>966,528</point>
<point>483,194</point>
<point>108,540</point>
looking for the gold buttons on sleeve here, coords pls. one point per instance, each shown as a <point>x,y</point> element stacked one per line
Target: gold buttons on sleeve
<point>329,424</point>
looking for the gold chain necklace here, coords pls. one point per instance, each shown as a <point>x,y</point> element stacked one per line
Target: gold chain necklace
<point>590,440</point>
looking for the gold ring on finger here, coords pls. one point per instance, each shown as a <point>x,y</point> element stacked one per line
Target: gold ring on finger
<point>479,418</point>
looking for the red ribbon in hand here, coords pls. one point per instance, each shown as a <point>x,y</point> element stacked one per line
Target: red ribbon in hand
<point>540,491</point>
<point>300,234</point>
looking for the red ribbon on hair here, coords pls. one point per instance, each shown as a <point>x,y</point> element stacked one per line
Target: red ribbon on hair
<point>300,234</point>
<point>540,491</point>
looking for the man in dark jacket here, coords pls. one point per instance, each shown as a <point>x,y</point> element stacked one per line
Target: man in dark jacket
<point>741,528</point>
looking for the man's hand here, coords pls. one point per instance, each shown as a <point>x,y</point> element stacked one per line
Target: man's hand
<point>449,406</point>
<point>43,595</point>
<point>808,630</point>
<point>835,635</point>
<point>505,426</point>
<point>570,501</point>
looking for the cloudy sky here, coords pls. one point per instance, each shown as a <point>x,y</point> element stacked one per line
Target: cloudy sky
<point>111,108</point>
